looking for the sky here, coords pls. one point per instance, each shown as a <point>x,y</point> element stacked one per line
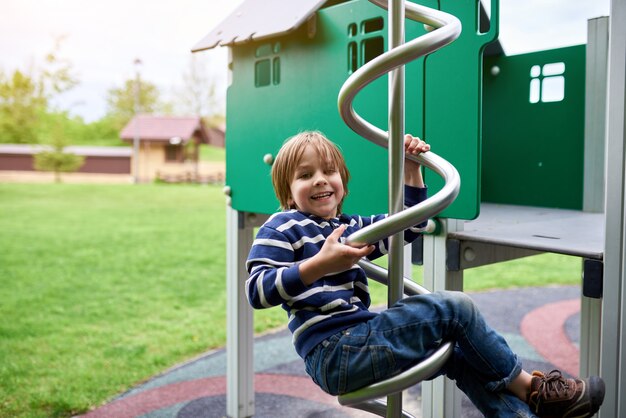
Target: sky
<point>103,38</point>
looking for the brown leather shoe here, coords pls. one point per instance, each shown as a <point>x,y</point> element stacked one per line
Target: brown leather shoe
<point>553,396</point>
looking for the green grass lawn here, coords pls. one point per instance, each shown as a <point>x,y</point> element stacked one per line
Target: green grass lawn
<point>539,270</point>
<point>103,286</point>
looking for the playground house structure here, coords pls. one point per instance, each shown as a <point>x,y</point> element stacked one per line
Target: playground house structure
<point>288,82</point>
<point>476,106</point>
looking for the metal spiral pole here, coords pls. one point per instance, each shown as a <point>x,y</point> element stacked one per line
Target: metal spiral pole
<point>446,28</point>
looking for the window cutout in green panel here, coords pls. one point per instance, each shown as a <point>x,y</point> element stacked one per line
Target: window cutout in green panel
<point>372,25</point>
<point>553,89</point>
<point>353,59</point>
<point>556,68</point>
<point>264,50</point>
<point>372,47</point>
<point>262,73</point>
<point>547,83</point>
<point>484,16</point>
<point>276,47</point>
<point>352,29</point>
<point>535,71</point>
<point>535,87</point>
<point>276,71</point>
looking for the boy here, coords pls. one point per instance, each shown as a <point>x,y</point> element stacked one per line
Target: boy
<point>298,261</point>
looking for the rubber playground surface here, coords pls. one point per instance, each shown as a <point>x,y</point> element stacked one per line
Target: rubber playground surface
<point>540,324</point>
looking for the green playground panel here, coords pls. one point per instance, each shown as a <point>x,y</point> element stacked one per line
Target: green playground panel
<point>290,83</point>
<point>533,148</point>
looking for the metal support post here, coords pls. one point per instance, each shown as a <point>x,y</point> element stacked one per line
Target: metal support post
<point>136,111</point>
<point>239,319</point>
<point>440,397</point>
<point>613,344</point>
<point>595,113</point>
<point>590,320</point>
<point>594,179</point>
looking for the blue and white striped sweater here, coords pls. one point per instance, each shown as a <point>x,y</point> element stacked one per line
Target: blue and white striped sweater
<point>331,304</point>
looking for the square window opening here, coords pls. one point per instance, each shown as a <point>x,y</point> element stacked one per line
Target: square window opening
<point>372,47</point>
<point>262,73</point>
<point>263,50</point>
<point>553,89</point>
<point>171,153</point>
<point>372,25</point>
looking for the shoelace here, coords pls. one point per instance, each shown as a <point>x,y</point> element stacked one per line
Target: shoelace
<point>553,385</point>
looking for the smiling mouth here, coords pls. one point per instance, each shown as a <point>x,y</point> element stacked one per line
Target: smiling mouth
<point>321,195</point>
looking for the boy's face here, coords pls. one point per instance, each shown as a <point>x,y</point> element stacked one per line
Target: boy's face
<point>316,187</point>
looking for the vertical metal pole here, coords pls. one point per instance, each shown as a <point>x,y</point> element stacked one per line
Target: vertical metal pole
<point>440,397</point>
<point>396,172</point>
<point>595,113</point>
<point>593,189</point>
<point>239,319</point>
<point>137,132</point>
<point>613,344</point>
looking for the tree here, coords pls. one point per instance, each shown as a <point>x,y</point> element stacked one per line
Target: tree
<point>121,101</point>
<point>198,94</point>
<point>56,76</point>
<point>21,103</point>
<point>56,159</point>
<point>25,96</point>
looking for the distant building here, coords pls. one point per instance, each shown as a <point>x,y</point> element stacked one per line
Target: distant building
<point>101,160</point>
<point>169,145</point>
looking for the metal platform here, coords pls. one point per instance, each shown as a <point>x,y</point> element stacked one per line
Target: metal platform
<point>568,232</point>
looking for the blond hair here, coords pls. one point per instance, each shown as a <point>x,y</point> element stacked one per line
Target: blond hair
<point>289,156</point>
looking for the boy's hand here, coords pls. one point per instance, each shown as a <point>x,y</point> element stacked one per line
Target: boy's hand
<point>412,172</point>
<point>413,145</point>
<point>334,257</point>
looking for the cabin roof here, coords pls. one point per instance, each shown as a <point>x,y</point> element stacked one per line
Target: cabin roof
<point>245,23</point>
<point>164,128</point>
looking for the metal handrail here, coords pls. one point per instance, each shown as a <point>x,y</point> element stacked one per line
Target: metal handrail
<point>445,29</point>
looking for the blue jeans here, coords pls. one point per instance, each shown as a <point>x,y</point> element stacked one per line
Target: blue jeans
<point>482,364</point>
